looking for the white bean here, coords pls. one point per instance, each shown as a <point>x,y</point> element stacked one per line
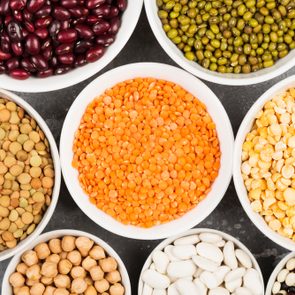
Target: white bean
<point>161,261</point>
<point>276,287</point>
<point>159,292</point>
<point>205,263</point>
<point>252,281</point>
<point>233,285</point>
<point>155,279</point>
<point>220,244</point>
<point>291,264</point>
<point>210,252</point>
<point>235,274</point>
<point>186,287</point>
<point>221,272</point>
<point>282,275</point>
<point>202,289</point>
<point>184,252</point>
<point>180,269</point>
<point>229,255</point>
<point>168,251</point>
<point>209,279</point>
<point>290,279</point>
<point>210,238</point>
<point>218,291</point>
<point>243,258</point>
<point>243,291</point>
<point>198,272</point>
<point>172,290</point>
<point>189,240</point>
<point>147,290</point>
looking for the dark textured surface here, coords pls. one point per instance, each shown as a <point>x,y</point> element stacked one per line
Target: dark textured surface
<point>228,216</point>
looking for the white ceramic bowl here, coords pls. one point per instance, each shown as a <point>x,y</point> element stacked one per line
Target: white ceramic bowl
<point>190,83</point>
<point>6,288</point>
<point>225,236</point>
<point>238,180</point>
<point>274,274</point>
<point>171,49</point>
<point>54,153</point>
<point>129,21</point>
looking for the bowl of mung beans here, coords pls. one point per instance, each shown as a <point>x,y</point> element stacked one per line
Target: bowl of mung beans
<point>264,163</point>
<point>66,262</point>
<point>30,174</point>
<point>146,151</point>
<point>226,42</point>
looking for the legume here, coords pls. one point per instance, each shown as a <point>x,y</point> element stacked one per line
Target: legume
<point>230,36</point>
<point>146,151</point>
<point>268,160</point>
<point>25,192</point>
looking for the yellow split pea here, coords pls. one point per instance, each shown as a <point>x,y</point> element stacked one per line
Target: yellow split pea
<point>268,163</point>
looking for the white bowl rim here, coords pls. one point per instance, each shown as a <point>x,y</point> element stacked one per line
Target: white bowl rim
<point>224,235</point>
<point>177,225</point>
<point>175,54</point>
<point>34,85</point>
<point>276,271</point>
<point>237,177</point>
<point>57,170</point>
<point>60,233</point>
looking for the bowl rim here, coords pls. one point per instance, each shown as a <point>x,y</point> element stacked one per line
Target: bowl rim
<point>128,72</point>
<point>130,19</point>
<point>276,271</point>
<point>224,235</point>
<point>237,177</point>
<point>6,289</point>
<point>57,170</point>
<point>225,79</point>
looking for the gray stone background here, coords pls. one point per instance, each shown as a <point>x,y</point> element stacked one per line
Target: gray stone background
<point>228,216</point>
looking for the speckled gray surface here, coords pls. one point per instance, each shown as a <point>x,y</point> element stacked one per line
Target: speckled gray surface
<point>228,216</point>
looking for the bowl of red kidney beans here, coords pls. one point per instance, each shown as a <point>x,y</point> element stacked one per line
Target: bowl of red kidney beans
<point>52,44</point>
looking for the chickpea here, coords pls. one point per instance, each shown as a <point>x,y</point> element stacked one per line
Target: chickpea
<point>30,258</point>
<point>42,251</point>
<point>89,281</point>
<point>33,272</point>
<point>90,291</point>
<point>84,245</point>
<point>68,243</point>
<point>16,279</point>
<point>25,290</point>
<point>117,289</point>
<point>46,281</point>
<point>22,268</point>
<point>78,286</point>
<point>49,290</point>
<point>74,257</point>
<point>88,263</point>
<point>55,246</point>
<point>113,277</point>
<point>55,258</point>
<point>61,291</point>
<point>37,289</point>
<point>63,255</point>
<point>102,285</point>
<point>96,273</point>
<point>64,266</point>
<point>97,252</point>
<point>49,269</point>
<point>78,272</point>
<point>108,264</point>
<point>62,281</point>
<point>30,283</point>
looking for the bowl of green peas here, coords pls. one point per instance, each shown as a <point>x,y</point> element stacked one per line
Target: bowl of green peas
<point>230,42</point>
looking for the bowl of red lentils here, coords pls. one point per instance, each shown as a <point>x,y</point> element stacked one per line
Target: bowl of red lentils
<point>30,174</point>
<point>66,262</point>
<point>146,151</point>
<point>264,163</point>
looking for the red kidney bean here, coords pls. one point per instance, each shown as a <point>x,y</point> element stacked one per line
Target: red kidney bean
<point>19,74</point>
<point>54,62</point>
<point>62,70</point>
<point>47,53</point>
<point>64,25</point>
<point>32,44</point>
<point>80,20</point>
<point>80,60</point>
<point>46,44</point>
<point>42,33</point>
<point>114,12</point>
<point>115,25</point>
<point>35,5</point>
<point>17,49</point>
<point>95,53</point>
<point>5,45</point>
<point>69,3</point>
<point>92,19</point>
<point>79,11</point>
<point>83,46</point>
<point>45,73</point>
<point>29,26</point>
<point>17,15</point>
<point>27,15</point>
<point>84,31</point>
<point>8,19</point>
<point>39,62</point>
<point>43,22</point>
<point>17,4</point>
<point>66,59</point>
<point>43,12</point>
<point>12,64</point>
<point>61,13</point>
<point>122,4</point>
<point>27,65</point>
<point>25,33</point>
<point>4,7</point>
<point>67,36</point>
<point>105,40</point>
<point>94,3</point>
<point>14,31</point>
<point>101,27</point>
<point>4,55</point>
<point>54,28</point>
<point>64,49</point>
<point>102,11</point>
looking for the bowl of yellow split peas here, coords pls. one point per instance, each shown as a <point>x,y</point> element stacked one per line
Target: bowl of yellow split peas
<point>264,163</point>
<point>30,174</point>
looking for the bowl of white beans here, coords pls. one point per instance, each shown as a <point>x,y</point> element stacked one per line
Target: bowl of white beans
<point>264,163</point>
<point>282,279</point>
<point>201,261</point>
<point>64,262</point>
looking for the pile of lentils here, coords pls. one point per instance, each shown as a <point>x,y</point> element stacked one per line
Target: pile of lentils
<point>230,36</point>
<point>26,174</point>
<point>51,37</point>
<point>285,282</point>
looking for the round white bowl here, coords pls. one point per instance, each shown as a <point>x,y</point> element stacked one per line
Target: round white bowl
<point>225,236</point>
<point>244,129</point>
<point>55,193</point>
<point>6,288</point>
<point>276,271</point>
<point>129,21</point>
<point>191,84</point>
<point>171,49</point>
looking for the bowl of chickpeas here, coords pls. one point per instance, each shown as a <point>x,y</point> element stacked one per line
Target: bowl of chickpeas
<point>30,174</point>
<point>64,262</point>
<point>146,151</point>
<point>226,42</point>
<point>264,163</point>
